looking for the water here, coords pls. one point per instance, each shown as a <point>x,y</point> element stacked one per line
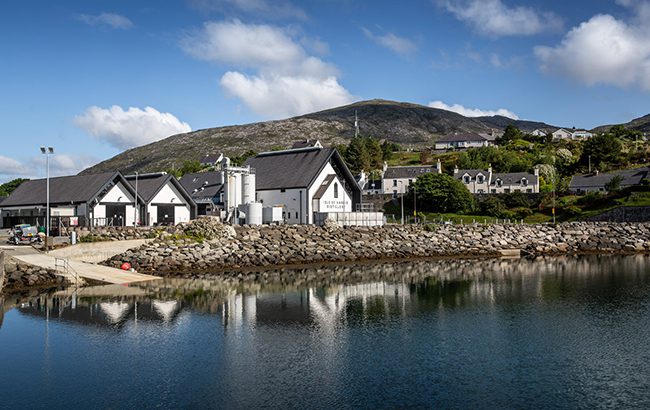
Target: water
<point>549,333</point>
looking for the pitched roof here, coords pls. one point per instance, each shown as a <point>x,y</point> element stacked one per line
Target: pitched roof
<point>209,159</point>
<point>2,198</point>
<point>630,177</point>
<point>324,185</point>
<point>471,172</point>
<point>63,190</point>
<point>148,185</point>
<point>462,137</point>
<point>306,144</point>
<point>203,186</point>
<point>289,168</point>
<point>373,184</point>
<point>513,178</point>
<point>408,172</point>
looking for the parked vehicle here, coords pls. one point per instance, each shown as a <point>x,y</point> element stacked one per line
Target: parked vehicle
<point>24,233</point>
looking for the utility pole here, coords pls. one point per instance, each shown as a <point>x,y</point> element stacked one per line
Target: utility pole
<point>415,213</point>
<point>589,163</point>
<point>135,202</point>
<point>47,152</point>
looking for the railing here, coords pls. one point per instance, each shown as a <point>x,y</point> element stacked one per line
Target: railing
<point>67,269</point>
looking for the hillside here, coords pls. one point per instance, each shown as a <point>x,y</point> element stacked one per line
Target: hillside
<point>638,124</point>
<point>402,123</point>
<point>500,122</point>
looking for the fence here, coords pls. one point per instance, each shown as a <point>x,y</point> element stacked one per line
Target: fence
<point>351,218</point>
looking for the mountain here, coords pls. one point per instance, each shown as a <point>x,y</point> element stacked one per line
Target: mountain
<point>403,123</point>
<point>500,122</point>
<point>638,124</point>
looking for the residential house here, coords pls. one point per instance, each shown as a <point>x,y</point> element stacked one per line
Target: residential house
<point>581,134</point>
<point>458,141</point>
<point>206,190</point>
<point>305,181</point>
<point>105,199</point>
<point>479,181</point>
<point>571,134</point>
<point>562,134</point>
<point>373,187</point>
<point>595,182</point>
<point>396,180</point>
<point>166,201</point>
<point>539,132</point>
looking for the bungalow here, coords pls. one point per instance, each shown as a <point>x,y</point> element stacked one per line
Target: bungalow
<point>456,141</point>
<point>206,190</point>
<point>166,201</point>
<point>539,133</point>
<point>304,181</point>
<point>562,134</point>
<point>105,199</point>
<point>581,134</point>
<point>479,181</point>
<point>396,180</point>
<point>573,134</point>
<point>596,181</point>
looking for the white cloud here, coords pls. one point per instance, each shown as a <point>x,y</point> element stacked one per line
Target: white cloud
<point>63,164</point>
<point>270,9</point>
<point>604,50</point>
<point>13,167</point>
<point>286,80</point>
<point>109,19</point>
<point>495,19</point>
<point>473,112</point>
<point>399,45</point>
<point>130,128</point>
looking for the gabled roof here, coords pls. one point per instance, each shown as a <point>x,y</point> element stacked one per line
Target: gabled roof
<point>2,198</point>
<point>203,185</point>
<point>210,159</point>
<point>150,185</point>
<point>408,172</point>
<point>462,138</point>
<point>630,177</point>
<point>471,172</point>
<point>513,178</point>
<point>324,185</point>
<point>63,190</point>
<point>306,144</point>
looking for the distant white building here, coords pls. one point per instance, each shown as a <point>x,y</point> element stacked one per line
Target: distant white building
<point>572,134</point>
<point>166,201</point>
<point>479,181</point>
<point>582,134</point>
<point>539,133</point>
<point>460,141</point>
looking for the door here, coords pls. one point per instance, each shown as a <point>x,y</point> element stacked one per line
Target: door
<point>166,214</point>
<point>117,213</point>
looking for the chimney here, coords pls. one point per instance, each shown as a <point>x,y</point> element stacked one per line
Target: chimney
<point>385,167</point>
<point>489,172</point>
<point>536,171</point>
<point>439,166</point>
<point>455,169</point>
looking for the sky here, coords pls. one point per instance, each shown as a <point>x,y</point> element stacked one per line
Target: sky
<point>92,79</point>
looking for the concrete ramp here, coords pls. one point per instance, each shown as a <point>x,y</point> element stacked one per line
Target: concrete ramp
<point>97,251</point>
<point>85,270</point>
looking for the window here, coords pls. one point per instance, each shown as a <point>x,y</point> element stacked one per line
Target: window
<point>507,190</point>
<point>394,182</point>
<point>283,190</point>
<point>466,179</point>
<point>296,215</point>
<point>524,182</point>
<point>410,181</point>
<point>529,190</point>
<point>336,190</point>
<point>494,191</point>
<point>499,182</point>
<point>480,179</point>
<point>479,191</point>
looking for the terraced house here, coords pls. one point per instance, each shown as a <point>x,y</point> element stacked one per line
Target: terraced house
<point>396,180</point>
<point>480,181</point>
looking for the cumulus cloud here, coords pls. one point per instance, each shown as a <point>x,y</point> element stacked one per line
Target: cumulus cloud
<point>604,50</point>
<point>495,19</point>
<point>270,9</point>
<point>473,112</point>
<point>106,19</point>
<point>286,80</point>
<point>130,128</point>
<point>10,166</point>
<point>63,164</point>
<point>399,45</point>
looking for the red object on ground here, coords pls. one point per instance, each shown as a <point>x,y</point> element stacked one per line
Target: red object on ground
<point>126,266</point>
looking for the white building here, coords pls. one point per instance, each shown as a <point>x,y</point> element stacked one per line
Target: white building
<point>396,180</point>
<point>539,133</point>
<point>305,181</point>
<point>572,134</point>
<point>166,201</point>
<point>460,141</point>
<point>479,181</point>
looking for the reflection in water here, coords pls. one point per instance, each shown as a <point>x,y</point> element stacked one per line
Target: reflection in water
<point>549,332</point>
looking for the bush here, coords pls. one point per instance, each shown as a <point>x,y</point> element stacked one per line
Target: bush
<point>571,211</point>
<point>590,198</point>
<point>516,200</point>
<point>521,213</point>
<point>442,193</point>
<point>493,206</point>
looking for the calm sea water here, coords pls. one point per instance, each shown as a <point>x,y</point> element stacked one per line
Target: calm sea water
<point>548,333</point>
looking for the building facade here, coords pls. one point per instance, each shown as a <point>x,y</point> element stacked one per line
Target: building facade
<point>166,201</point>
<point>479,181</point>
<point>461,141</point>
<point>396,180</point>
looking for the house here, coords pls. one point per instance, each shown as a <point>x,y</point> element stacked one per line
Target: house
<point>105,199</point>
<point>539,133</point>
<point>396,180</point>
<point>562,134</point>
<point>457,141</point>
<point>211,160</point>
<point>166,201</point>
<point>572,134</point>
<point>373,187</point>
<point>206,190</point>
<point>304,181</point>
<point>581,134</point>
<point>595,182</point>
<point>479,181</point>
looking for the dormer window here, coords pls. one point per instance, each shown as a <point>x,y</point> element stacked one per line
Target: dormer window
<point>499,182</point>
<point>466,179</point>
<point>480,178</point>
<point>524,182</point>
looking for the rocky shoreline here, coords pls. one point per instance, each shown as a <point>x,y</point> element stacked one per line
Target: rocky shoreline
<point>257,248</point>
<point>21,276</point>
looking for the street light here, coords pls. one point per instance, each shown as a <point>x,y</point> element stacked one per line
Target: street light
<point>402,199</point>
<point>47,152</point>
<point>135,202</point>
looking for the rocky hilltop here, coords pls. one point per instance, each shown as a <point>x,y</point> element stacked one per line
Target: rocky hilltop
<point>402,123</point>
<point>638,124</point>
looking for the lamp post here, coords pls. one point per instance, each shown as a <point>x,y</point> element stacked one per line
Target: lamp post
<point>135,202</point>
<point>47,151</point>
<point>415,213</point>
<point>402,199</point>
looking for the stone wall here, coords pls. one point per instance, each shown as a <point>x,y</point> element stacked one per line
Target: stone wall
<point>116,233</point>
<point>20,276</point>
<point>265,246</point>
<point>624,214</point>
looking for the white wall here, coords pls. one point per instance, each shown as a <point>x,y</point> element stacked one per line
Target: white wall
<point>290,200</point>
<point>168,194</point>
<point>117,194</point>
<point>328,203</point>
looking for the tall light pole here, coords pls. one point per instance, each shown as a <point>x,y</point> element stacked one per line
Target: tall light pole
<point>402,199</point>
<point>135,202</point>
<point>47,152</point>
<point>415,213</point>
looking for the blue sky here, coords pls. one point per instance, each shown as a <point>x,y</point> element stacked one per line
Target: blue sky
<point>95,78</point>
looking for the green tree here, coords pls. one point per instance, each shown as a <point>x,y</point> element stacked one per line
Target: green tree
<point>7,188</point>
<point>442,193</point>
<point>356,155</point>
<point>375,153</point>
<point>511,133</point>
<point>603,149</point>
<point>239,160</point>
<point>614,184</point>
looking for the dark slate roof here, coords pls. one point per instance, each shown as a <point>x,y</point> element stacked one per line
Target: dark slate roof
<point>148,185</point>
<point>2,198</point>
<point>471,172</point>
<point>289,168</point>
<point>323,187</point>
<point>369,185</point>
<point>408,172</point>
<point>305,144</point>
<point>209,159</point>
<point>462,137</point>
<point>63,190</point>
<point>630,177</point>
<point>194,182</point>
<point>514,178</point>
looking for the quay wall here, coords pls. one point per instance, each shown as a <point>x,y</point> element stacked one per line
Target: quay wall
<point>20,276</point>
<point>262,247</point>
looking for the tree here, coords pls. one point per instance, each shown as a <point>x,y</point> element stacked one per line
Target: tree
<point>602,149</point>
<point>442,193</point>
<point>239,160</point>
<point>7,188</point>
<point>356,155</point>
<point>614,184</point>
<point>511,133</point>
<point>375,153</point>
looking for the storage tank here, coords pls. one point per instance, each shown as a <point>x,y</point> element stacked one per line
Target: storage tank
<point>254,213</point>
<point>248,188</point>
